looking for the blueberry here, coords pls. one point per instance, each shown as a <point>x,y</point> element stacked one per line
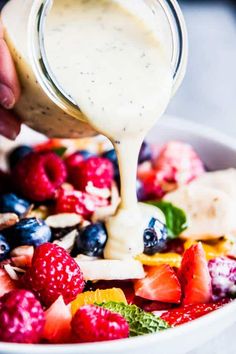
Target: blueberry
<point>29,231</point>
<point>145,152</point>
<point>140,190</point>
<point>91,240</point>
<point>4,248</point>
<point>85,154</point>
<point>11,203</point>
<point>17,154</point>
<point>155,237</point>
<point>111,155</point>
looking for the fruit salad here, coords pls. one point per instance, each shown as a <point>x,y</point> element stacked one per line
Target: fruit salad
<point>55,284</point>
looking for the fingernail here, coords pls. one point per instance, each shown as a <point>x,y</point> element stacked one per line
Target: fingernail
<point>7,98</point>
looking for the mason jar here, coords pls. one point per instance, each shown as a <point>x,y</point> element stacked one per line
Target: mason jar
<point>44,105</point>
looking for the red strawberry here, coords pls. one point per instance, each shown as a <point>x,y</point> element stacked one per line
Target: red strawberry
<point>49,145</point>
<point>150,306</point>
<point>96,324</point>
<point>188,313</point>
<point>195,277</point>
<point>97,171</point>
<point>6,283</point>
<point>57,327</point>
<point>152,184</point>
<point>53,273</point>
<point>78,202</point>
<point>160,284</point>
<point>38,175</point>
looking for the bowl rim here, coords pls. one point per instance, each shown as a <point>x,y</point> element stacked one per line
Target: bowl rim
<point>205,131</point>
<point>139,341</point>
<point>128,343</point>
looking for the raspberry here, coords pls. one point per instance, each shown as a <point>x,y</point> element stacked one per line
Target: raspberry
<point>96,324</point>
<point>21,316</point>
<point>179,162</point>
<point>75,159</point>
<point>78,202</point>
<point>223,277</point>
<point>38,175</point>
<point>53,273</point>
<point>72,161</point>
<point>97,171</point>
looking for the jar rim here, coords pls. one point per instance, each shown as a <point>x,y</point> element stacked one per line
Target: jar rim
<point>48,81</point>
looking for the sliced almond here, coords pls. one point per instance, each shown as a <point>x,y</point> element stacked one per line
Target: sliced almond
<point>104,212</point>
<point>67,242</point>
<point>63,220</point>
<point>99,192</point>
<point>7,220</point>
<point>84,258</point>
<point>40,213</point>
<point>85,223</point>
<point>12,271</point>
<point>22,251</point>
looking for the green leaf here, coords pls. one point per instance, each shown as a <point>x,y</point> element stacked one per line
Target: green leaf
<point>60,151</point>
<point>176,220</point>
<point>140,322</point>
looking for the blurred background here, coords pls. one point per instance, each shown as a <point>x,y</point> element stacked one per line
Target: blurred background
<point>208,93</point>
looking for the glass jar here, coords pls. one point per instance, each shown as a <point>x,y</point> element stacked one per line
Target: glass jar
<point>44,105</point>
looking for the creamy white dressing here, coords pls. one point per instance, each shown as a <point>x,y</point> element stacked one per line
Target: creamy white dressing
<point>114,66</point>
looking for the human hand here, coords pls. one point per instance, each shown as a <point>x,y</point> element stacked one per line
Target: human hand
<point>9,92</point>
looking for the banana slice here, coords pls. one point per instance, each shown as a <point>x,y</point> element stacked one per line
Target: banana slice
<point>150,211</point>
<point>210,204</point>
<point>103,269</point>
<point>223,180</point>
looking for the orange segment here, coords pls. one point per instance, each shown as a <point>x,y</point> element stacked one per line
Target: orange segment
<point>172,259</point>
<point>220,248</point>
<point>98,296</point>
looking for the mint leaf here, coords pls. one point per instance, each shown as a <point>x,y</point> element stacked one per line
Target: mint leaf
<point>60,151</point>
<point>176,220</point>
<point>140,322</point>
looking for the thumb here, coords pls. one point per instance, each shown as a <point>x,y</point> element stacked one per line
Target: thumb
<point>9,83</point>
<point>9,124</point>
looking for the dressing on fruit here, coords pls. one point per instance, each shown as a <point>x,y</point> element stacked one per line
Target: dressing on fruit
<point>117,70</point>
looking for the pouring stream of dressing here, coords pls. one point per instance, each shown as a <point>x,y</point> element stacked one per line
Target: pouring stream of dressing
<point>116,69</point>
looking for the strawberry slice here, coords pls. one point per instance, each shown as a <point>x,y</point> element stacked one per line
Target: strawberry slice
<point>57,326</point>
<point>6,283</point>
<point>160,284</point>
<point>49,145</point>
<point>195,277</point>
<point>188,313</point>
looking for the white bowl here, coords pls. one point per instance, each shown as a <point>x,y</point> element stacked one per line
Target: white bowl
<point>218,152</point>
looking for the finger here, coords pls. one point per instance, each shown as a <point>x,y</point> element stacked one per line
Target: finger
<point>10,87</point>
<point>9,124</point>
<point>1,30</point>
